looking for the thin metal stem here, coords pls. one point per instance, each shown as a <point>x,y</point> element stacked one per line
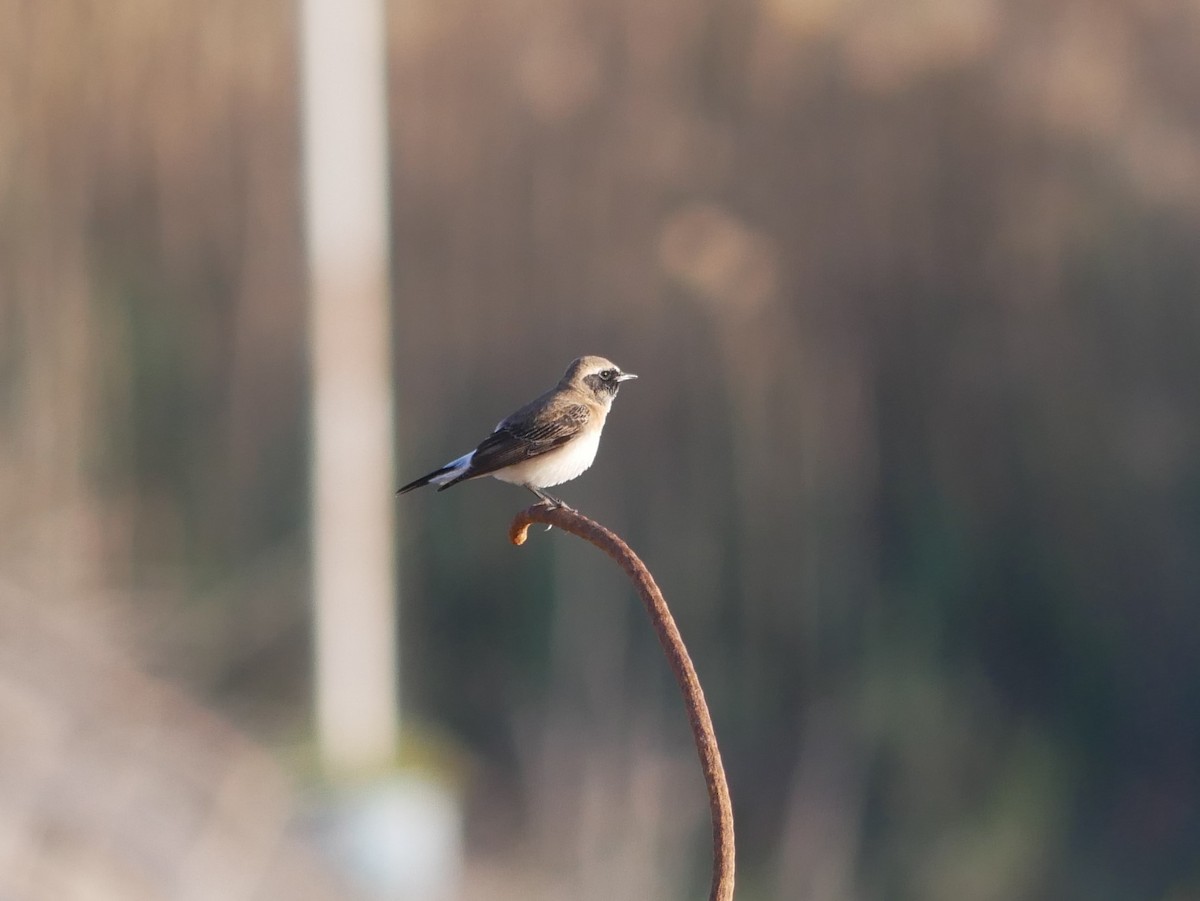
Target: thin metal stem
<point>720,806</point>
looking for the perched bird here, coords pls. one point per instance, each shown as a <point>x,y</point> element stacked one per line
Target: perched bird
<point>548,441</point>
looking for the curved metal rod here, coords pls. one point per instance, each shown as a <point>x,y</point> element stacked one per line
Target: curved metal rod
<point>681,664</point>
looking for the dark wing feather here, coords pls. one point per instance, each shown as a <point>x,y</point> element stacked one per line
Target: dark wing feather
<point>521,437</point>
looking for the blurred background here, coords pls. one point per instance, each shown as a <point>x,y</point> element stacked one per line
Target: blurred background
<point>914,294</point>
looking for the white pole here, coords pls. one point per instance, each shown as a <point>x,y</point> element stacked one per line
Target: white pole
<point>344,133</point>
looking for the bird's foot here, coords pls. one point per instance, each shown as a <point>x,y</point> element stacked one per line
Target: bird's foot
<point>553,503</point>
<point>549,500</point>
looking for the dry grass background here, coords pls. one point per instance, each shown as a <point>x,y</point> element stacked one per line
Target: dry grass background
<point>912,291</point>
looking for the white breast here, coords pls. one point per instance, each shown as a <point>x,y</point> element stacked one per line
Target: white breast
<point>558,466</point>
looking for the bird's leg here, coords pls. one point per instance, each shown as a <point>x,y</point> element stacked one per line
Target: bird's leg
<point>544,498</point>
<point>548,499</point>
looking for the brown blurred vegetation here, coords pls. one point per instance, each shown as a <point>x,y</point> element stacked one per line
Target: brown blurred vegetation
<point>914,292</point>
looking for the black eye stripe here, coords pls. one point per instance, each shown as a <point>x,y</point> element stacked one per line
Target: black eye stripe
<point>603,383</point>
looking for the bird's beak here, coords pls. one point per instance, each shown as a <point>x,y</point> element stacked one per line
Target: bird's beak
<point>626,376</point>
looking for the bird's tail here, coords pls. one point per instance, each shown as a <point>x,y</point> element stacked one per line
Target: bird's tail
<point>452,472</point>
<point>419,483</point>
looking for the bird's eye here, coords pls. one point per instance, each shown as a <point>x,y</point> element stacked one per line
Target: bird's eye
<point>608,375</point>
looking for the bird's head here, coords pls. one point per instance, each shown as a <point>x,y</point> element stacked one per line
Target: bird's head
<point>596,377</point>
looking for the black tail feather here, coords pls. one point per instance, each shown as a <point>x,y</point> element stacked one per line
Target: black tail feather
<point>423,481</point>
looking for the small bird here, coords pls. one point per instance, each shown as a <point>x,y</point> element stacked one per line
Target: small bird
<point>548,441</point>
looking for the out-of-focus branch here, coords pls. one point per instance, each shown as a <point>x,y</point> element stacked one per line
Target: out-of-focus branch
<point>681,664</point>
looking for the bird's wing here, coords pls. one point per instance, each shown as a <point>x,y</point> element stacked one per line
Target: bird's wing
<point>521,437</point>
